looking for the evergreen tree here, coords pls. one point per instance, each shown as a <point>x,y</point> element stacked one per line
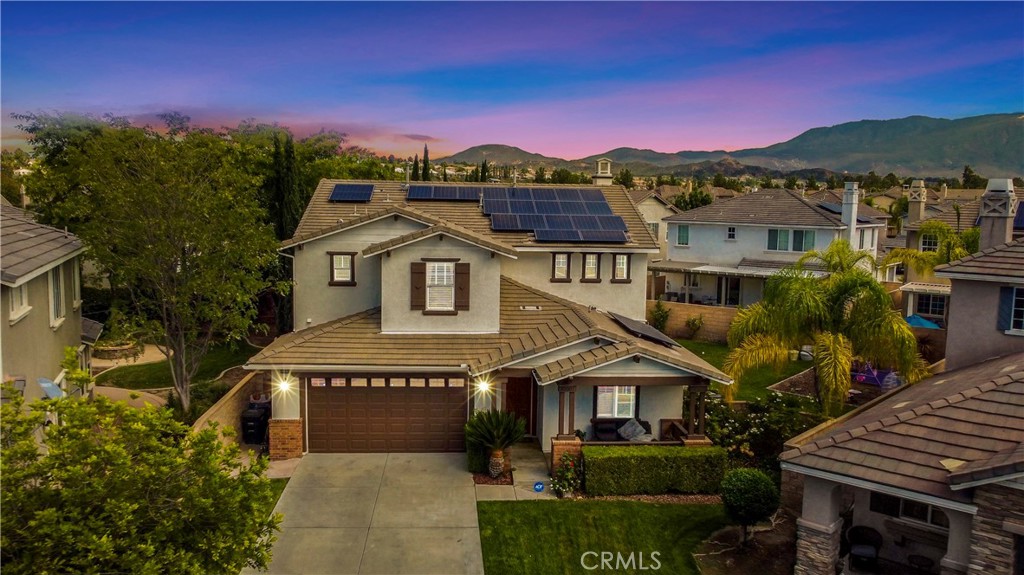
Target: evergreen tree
<point>416,169</point>
<point>766,182</point>
<point>540,176</point>
<point>426,164</point>
<point>790,183</point>
<point>484,172</point>
<point>444,172</point>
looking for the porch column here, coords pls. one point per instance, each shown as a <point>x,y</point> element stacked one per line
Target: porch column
<point>566,402</point>
<point>818,529</point>
<point>695,422</point>
<point>958,546</point>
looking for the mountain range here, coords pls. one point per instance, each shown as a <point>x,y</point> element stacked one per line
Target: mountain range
<point>993,145</point>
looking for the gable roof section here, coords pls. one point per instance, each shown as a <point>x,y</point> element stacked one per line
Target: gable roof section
<point>1000,263</point>
<point>1005,464</point>
<point>531,322</point>
<point>969,211</point>
<point>321,214</point>
<point>28,248</point>
<point>958,421</point>
<point>589,359</point>
<point>765,207</point>
<point>359,219</point>
<point>451,230</point>
<point>638,196</point>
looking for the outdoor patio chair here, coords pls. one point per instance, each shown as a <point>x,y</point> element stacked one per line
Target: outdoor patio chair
<point>864,545</point>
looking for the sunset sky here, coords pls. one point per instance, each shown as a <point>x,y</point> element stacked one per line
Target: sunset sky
<point>562,79</point>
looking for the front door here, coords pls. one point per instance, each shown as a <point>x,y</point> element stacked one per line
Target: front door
<point>521,399</point>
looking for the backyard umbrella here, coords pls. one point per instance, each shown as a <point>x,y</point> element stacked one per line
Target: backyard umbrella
<point>918,321</point>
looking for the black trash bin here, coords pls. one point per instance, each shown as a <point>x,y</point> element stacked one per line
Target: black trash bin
<point>254,426</point>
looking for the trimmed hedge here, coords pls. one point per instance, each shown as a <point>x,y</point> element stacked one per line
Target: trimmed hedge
<point>652,469</point>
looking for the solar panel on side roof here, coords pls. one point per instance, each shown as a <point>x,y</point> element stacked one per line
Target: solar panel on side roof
<point>585,223</point>
<point>614,223</point>
<point>351,193</point>
<point>495,206</point>
<point>520,193</point>
<point>591,195</point>
<point>569,195</point>
<point>521,207</point>
<point>545,194</point>
<point>495,194</point>
<point>547,207</point>
<point>603,236</point>
<point>505,223</point>
<point>558,222</point>
<point>531,221</point>
<point>420,192</point>
<point>598,208</point>
<point>573,208</point>
<point>544,235</point>
<point>831,207</point>
<point>470,194</point>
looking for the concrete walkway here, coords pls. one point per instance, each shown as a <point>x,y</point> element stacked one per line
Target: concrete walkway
<point>529,466</point>
<point>379,514</point>
<point>134,398</point>
<point>150,354</point>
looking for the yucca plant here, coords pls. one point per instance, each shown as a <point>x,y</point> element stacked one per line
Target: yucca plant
<point>496,431</point>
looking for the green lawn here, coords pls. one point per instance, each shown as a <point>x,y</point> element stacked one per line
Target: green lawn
<point>755,384</point>
<point>155,375</point>
<point>278,486</point>
<point>551,537</point>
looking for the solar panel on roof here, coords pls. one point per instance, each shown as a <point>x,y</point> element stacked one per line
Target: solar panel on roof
<point>585,223</point>
<point>831,207</point>
<point>545,235</point>
<point>521,207</point>
<point>545,194</point>
<point>505,223</point>
<point>547,207</point>
<point>444,193</point>
<point>351,193</point>
<point>558,222</point>
<point>591,195</point>
<point>574,207</point>
<point>554,214</point>
<point>643,330</point>
<point>603,236</point>
<point>614,223</point>
<point>598,208</point>
<point>495,206</point>
<point>519,193</point>
<point>531,222</point>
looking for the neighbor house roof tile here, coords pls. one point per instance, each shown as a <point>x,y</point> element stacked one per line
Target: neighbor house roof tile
<point>27,246</point>
<point>1005,261</point>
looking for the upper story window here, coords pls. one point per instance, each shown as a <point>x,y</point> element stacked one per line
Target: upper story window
<point>1011,310</point>
<point>803,240</point>
<point>76,284</point>
<point>620,272</point>
<point>778,240</point>
<point>653,226</point>
<point>862,238</point>
<point>591,268</point>
<point>343,269</point>
<point>730,233</point>
<point>440,286</point>
<point>560,267</point>
<point>616,401</point>
<point>683,236</point>
<point>929,243</point>
<point>19,302</point>
<point>57,311</point>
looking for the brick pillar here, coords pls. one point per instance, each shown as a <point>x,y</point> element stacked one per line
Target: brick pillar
<point>817,548</point>
<point>560,446</point>
<point>285,439</point>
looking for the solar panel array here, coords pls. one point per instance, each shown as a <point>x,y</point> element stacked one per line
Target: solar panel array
<point>643,330</point>
<point>445,193</point>
<point>351,193</point>
<point>838,209</point>
<point>554,214</point>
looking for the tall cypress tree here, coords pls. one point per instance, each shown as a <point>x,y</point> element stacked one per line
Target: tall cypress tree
<point>416,169</point>
<point>484,173</point>
<point>444,172</point>
<point>426,164</point>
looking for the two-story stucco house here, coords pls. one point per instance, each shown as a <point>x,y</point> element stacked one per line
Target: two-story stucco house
<point>40,284</point>
<point>721,254</point>
<point>416,304</point>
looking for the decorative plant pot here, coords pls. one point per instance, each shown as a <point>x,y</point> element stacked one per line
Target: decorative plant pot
<point>117,351</point>
<point>496,465</point>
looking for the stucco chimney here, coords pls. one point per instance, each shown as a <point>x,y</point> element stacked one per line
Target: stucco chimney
<point>851,199</point>
<point>918,198</point>
<point>944,191</point>
<point>603,176</point>
<point>998,207</point>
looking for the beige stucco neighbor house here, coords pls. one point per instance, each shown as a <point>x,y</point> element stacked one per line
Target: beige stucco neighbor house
<point>40,284</point>
<point>417,304</point>
<point>654,208</point>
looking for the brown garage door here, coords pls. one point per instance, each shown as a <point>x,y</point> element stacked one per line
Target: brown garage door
<point>386,414</point>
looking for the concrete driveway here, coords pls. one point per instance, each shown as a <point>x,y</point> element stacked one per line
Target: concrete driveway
<point>397,513</point>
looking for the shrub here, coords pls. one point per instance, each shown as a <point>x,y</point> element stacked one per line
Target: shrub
<point>476,458</point>
<point>494,429</point>
<point>204,395</point>
<point>659,316</point>
<point>694,323</point>
<point>568,475</point>
<point>749,496</point>
<point>653,470</point>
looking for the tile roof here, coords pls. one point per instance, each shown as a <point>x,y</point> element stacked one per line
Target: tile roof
<point>531,322</point>
<point>322,217</point>
<point>370,215</point>
<point>764,207</point>
<point>1007,462</point>
<point>969,211</point>
<point>588,359</point>
<point>638,196</point>
<point>974,414</point>
<point>27,246</point>
<point>446,229</point>
<point>91,330</point>
<point>863,210</point>
<point>1005,261</point>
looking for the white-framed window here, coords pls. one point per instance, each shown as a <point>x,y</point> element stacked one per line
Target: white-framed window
<point>560,267</point>
<point>861,240</point>
<point>778,240</point>
<point>803,240</point>
<point>342,269</point>
<point>76,284</point>
<point>616,401</point>
<point>730,233</point>
<point>621,270</point>
<point>683,235</point>
<point>653,226</point>
<point>591,267</point>
<point>19,302</point>
<point>893,272</point>
<point>929,243</point>
<point>1017,314</point>
<point>57,311</point>
<point>440,286</point>
<point>930,305</point>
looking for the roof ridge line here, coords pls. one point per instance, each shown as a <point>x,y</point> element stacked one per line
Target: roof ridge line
<point>318,330</point>
<point>981,253</point>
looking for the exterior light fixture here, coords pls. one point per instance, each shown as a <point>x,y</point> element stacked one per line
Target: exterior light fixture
<point>483,385</point>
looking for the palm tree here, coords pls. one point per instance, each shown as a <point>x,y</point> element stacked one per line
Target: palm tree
<point>844,316</point>
<point>840,257</point>
<point>952,245</point>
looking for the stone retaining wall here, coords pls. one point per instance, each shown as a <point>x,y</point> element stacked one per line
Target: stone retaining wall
<point>717,320</point>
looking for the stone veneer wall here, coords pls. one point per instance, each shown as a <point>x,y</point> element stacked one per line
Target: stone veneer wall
<point>716,320</point>
<point>991,543</point>
<point>285,439</point>
<point>817,548</point>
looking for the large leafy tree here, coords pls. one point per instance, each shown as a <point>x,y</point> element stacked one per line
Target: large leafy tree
<point>952,245</point>
<point>182,231</point>
<point>844,315</point>
<point>624,178</point>
<point>125,490</point>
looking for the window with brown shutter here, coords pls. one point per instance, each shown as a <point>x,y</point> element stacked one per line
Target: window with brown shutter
<point>461,287</point>
<point>418,286</point>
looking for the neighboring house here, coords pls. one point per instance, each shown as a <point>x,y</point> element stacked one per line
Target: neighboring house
<point>721,254</point>
<point>40,284</point>
<point>654,208</point>
<point>417,306</point>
